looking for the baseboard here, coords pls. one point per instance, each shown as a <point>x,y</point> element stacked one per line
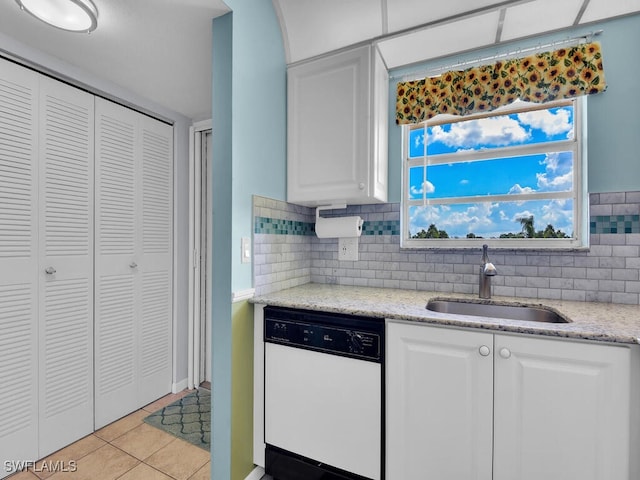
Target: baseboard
<point>179,386</point>
<point>256,474</point>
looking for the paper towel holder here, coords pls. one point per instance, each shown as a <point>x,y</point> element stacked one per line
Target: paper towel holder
<point>337,227</point>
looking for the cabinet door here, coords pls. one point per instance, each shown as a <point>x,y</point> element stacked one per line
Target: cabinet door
<point>562,410</point>
<point>66,252</point>
<point>18,264</point>
<point>328,128</point>
<point>439,403</point>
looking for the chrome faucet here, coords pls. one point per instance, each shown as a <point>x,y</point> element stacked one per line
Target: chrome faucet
<point>487,270</point>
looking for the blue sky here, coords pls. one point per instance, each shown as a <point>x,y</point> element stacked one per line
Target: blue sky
<point>544,172</point>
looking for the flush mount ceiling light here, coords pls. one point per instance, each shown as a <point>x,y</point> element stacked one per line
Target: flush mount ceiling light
<point>71,15</point>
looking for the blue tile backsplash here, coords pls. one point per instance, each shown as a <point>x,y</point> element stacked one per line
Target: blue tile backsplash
<point>614,224</point>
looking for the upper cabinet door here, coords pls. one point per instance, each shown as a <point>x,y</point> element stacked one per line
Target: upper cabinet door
<point>337,129</point>
<point>562,410</point>
<point>18,263</point>
<point>66,264</point>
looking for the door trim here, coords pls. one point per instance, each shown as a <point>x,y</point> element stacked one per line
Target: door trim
<point>196,369</point>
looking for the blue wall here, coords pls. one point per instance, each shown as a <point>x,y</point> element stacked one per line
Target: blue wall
<point>613,117</point>
<point>221,258</point>
<point>259,119</point>
<point>249,157</point>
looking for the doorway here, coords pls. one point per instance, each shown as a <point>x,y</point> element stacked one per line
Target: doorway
<point>200,229</point>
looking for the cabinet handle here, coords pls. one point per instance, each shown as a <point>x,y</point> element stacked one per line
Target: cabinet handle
<point>505,352</point>
<point>484,350</point>
<point>361,186</point>
<point>49,270</point>
<point>133,265</point>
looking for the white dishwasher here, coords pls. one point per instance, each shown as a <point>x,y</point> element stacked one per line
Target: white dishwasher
<point>324,396</point>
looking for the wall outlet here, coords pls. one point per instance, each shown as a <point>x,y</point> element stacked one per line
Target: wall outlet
<point>348,249</point>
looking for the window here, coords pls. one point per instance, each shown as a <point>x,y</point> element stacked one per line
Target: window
<point>511,178</point>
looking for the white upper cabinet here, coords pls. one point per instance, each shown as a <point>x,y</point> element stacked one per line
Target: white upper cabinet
<point>338,129</point>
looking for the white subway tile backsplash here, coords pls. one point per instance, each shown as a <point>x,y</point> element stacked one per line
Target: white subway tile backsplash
<point>287,253</point>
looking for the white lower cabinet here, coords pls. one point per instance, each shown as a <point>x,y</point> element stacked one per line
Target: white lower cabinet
<point>467,404</point>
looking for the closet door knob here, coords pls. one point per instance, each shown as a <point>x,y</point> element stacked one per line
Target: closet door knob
<point>133,265</point>
<point>49,270</point>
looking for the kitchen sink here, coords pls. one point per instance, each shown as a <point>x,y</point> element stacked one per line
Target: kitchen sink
<point>509,312</point>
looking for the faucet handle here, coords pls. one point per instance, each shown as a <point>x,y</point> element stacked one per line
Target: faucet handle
<point>490,269</point>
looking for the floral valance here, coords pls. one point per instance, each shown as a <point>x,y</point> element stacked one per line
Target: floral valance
<point>543,77</point>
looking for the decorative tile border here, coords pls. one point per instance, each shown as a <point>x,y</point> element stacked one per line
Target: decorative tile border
<point>277,226</point>
<point>382,227</point>
<point>617,224</point>
<point>614,224</point>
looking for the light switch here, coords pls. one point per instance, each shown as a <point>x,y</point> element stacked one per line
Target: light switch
<point>245,250</point>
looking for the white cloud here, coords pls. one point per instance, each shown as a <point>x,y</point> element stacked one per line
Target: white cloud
<point>558,174</point>
<point>551,161</point>
<point>524,214</point>
<point>561,182</point>
<point>550,123</point>
<point>423,217</point>
<point>498,131</point>
<point>475,218</point>
<point>558,213</point>
<point>464,181</point>
<point>427,187</point>
<point>419,140</point>
<point>517,189</point>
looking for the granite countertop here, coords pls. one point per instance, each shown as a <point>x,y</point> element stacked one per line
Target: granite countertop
<point>604,322</point>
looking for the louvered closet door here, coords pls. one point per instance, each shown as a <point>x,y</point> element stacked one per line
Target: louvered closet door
<point>156,259</point>
<point>134,203</point>
<point>117,286</point>
<point>18,264</point>
<point>66,265</point>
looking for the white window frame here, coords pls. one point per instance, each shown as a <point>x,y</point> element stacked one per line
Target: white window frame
<point>579,193</point>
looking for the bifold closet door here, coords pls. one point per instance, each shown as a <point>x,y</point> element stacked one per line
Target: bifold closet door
<point>116,262</point>
<point>66,264</point>
<point>18,264</point>
<point>134,172</point>
<point>156,260</point>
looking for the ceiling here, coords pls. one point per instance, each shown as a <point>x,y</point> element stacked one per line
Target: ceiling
<point>161,49</point>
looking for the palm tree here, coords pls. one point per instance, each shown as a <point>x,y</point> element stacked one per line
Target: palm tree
<point>527,226</point>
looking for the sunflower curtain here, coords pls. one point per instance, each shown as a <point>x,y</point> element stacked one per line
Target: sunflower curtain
<point>542,77</point>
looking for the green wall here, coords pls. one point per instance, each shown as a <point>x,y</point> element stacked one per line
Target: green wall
<point>613,123</point>
<point>242,390</point>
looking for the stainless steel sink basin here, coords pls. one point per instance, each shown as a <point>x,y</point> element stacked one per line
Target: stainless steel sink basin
<point>509,312</point>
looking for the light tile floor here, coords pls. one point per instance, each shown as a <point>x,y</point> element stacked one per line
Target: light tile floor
<point>127,449</point>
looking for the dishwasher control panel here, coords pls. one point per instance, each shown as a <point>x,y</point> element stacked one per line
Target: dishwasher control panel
<point>327,334</point>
